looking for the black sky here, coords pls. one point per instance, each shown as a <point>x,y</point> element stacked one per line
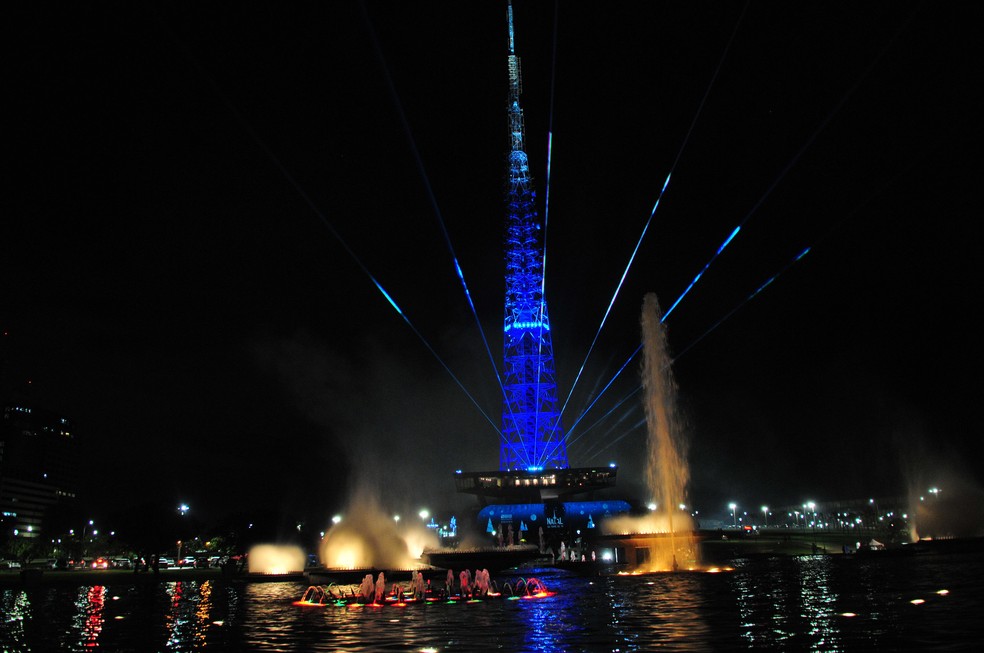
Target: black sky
<point>172,279</point>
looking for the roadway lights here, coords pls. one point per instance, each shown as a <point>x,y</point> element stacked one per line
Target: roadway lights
<point>336,519</point>
<point>424,514</point>
<point>734,515</point>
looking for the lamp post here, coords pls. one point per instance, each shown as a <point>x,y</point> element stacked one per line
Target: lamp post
<point>765,512</point>
<point>734,514</point>
<point>84,529</point>
<point>813,522</point>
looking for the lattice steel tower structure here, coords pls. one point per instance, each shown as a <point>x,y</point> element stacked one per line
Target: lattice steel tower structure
<point>533,436</point>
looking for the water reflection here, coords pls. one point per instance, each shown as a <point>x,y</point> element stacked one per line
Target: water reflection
<point>819,602</point>
<point>16,609</point>
<point>784,603</point>
<point>548,623</point>
<point>189,615</point>
<point>89,617</point>
<point>790,602</point>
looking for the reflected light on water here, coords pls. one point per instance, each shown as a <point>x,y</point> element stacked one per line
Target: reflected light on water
<point>819,601</point>
<point>798,610</point>
<point>202,612</point>
<point>189,614</point>
<point>90,616</point>
<point>810,603</point>
<point>15,610</point>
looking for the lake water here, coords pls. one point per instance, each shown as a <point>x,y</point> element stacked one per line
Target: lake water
<point>925,602</point>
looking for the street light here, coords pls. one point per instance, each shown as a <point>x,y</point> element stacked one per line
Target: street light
<point>84,528</point>
<point>183,509</point>
<point>734,515</point>
<point>424,514</point>
<point>813,523</point>
<point>765,511</point>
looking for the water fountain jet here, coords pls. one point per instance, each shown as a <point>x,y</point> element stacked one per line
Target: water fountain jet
<point>664,540</point>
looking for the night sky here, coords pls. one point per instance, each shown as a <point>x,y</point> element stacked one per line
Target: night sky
<point>198,192</point>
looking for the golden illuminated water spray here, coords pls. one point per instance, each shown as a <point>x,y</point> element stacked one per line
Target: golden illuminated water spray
<point>667,471</point>
<point>663,540</point>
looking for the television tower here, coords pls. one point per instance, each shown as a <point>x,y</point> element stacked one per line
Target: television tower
<point>533,436</point>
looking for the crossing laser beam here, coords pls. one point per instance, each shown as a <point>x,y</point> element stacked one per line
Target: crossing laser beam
<point>702,271</point>
<point>690,346</point>
<point>621,281</point>
<point>434,204</point>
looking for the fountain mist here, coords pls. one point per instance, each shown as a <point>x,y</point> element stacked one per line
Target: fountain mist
<point>368,537</point>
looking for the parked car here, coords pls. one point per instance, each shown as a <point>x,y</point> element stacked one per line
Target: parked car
<point>164,563</point>
<point>121,563</point>
<point>41,563</point>
<point>9,564</point>
<point>100,563</point>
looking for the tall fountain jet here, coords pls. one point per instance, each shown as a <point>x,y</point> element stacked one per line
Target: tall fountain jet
<point>533,436</point>
<point>663,540</point>
<point>667,471</point>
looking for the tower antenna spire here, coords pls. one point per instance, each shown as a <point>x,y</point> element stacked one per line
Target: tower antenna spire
<point>512,43</point>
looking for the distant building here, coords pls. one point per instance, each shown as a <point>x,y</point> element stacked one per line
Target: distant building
<point>38,469</point>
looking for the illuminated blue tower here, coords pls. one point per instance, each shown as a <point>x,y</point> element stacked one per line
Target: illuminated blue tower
<point>533,436</point>
<point>532,489</point>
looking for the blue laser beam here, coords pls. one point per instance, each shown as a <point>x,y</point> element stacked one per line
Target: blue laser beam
<point>702,271</point>
<point>621,281</point>
<point>605,416</point>
<point>611,443</point>
<point>433,200</point>
<point>730,313</point>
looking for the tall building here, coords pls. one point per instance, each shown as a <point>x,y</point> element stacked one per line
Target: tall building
<point>38,469</point>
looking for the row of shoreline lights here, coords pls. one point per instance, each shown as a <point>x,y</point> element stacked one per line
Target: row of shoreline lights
<point>811,507</point>
<point>733,507</point>
<point>423,514</point>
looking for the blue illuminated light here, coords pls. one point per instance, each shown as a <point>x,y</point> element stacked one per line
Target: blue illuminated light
<point>388,298</point>
<point>730,238</point>
<point>527,326</point>
<point>532,433</point>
